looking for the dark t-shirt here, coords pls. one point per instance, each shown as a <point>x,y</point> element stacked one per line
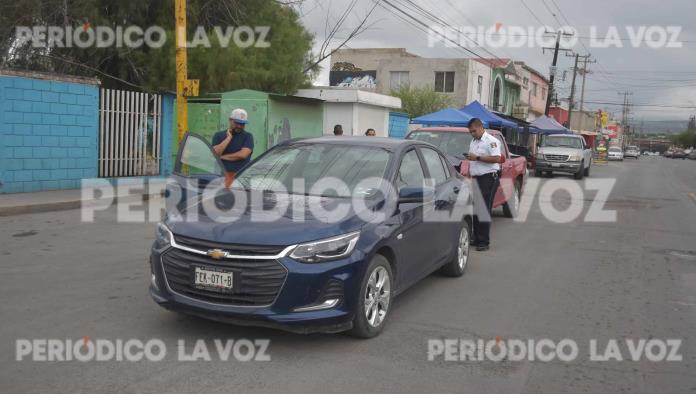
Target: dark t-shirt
<point>242,140</point>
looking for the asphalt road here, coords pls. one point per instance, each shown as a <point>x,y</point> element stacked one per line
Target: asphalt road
<point>633,278</point>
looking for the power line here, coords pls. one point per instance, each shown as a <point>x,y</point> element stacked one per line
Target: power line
<point>425,27</point>
<point>429,15</point>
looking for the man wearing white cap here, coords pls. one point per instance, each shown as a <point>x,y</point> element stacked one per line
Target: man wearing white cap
<point>234,145</point>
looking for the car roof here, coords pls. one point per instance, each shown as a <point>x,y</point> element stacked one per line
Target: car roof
<point>564,135</point>
<point>392,144</point>
<point>452,129</point>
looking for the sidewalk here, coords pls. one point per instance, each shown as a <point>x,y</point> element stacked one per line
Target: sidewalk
<point>58,200</point>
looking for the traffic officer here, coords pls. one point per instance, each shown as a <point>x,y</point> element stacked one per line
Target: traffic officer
<point>234,145</point>
<point>484,156</point>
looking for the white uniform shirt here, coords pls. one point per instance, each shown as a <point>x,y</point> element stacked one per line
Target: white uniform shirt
<point>488,145</point>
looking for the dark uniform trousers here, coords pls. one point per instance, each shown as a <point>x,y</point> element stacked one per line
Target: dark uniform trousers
<point>487,187</point>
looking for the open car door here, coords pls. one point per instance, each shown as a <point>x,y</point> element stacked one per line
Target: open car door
<point>196,167</point>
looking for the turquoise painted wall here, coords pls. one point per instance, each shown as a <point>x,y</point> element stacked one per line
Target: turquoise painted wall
<point>49,134</point>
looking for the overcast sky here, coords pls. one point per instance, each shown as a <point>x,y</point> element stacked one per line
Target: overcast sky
<point>661,76</point>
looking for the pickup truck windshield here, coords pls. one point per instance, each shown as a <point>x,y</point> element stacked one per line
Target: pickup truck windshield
<point>285,169</point>
<point>451,143</point>
<point>568,142</point>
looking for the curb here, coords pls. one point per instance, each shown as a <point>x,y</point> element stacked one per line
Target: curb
<point>61,205</point>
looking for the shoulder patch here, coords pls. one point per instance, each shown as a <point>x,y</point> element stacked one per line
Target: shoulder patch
<point>493,145</point>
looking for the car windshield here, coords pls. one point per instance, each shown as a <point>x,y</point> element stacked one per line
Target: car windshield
<point>299,168</point>
<point>570,142</point>
<point>631,148</point>
<point>614,149</point>
<point>451,143</point>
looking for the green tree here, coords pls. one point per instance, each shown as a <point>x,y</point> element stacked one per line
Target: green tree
<point>277,68</point>
<point>417,101</point>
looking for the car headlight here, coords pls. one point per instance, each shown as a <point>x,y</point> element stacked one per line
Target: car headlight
<point>326,249</point>
<point>540,156</point>
<point>574,157</point>
<point>163,237</point>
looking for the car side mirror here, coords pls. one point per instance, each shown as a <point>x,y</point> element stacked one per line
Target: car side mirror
<point>415,194</point>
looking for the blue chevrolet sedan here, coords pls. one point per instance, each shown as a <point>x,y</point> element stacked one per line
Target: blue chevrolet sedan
<point>315,235</point>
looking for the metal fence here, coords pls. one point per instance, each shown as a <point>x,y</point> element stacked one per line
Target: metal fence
<point>130,127</point>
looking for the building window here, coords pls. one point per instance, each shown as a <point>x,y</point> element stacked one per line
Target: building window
<point>535,86</point>
<point>525,81</point>
<point>543,92</point>
<point>397,79</point>
<point>444,81</point>
<point>479,87</point>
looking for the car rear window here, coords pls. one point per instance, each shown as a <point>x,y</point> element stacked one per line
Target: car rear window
<point>451,143</point>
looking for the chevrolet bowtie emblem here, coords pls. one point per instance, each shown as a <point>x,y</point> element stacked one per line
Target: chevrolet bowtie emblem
<point>216,253</point>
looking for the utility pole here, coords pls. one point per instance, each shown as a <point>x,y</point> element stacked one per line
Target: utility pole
<point>585,61</point>
<point>624,116</point>
<point>552,75</point>
<point>571,100</point>
<point>184,87</point>
<point>572,92</point>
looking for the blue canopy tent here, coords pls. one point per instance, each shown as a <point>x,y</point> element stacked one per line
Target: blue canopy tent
<point>476,110</point>
<point>547,125</point>
<point>446,117</point>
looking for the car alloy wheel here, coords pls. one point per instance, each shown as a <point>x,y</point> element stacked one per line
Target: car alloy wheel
<point>377,296</point>
<point>463,248</point>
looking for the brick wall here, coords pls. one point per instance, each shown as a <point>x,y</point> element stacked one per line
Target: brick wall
<point>48,133</point>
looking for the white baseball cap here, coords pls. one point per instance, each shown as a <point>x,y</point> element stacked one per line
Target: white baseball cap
<point>239,116</point>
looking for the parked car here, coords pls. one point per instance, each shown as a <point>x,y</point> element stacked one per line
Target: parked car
<point>632,151</point>
<point>692,155</point>
<point>454,142</point>
<point>566,153</point>
<point>668,153</point>
<point>615,153</point>
<point>679,153</point>
<point>302,272</point>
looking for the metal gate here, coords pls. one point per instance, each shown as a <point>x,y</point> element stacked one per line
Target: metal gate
<point>129,133</point>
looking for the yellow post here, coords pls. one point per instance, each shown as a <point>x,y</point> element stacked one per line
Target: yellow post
<point>184,86</point>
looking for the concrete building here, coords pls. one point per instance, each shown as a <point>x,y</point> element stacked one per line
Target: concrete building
<point>579,120</point>
<point>355,110</point>
<point>464,80</point>
<point>538,93</point>
<point>533,92</point>
<point>505,86</point>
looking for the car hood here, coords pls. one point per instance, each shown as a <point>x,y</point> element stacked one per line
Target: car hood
<point>260,222</point>
<point>558,150</point>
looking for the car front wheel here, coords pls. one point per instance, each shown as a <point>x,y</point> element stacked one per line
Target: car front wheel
<point>373,304</point>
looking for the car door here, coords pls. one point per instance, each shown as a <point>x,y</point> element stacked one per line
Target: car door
<point>507,175</point>
<point>411,249</point>
<point>587,153</point>
<point>441,232</point>
<point>196,167</point>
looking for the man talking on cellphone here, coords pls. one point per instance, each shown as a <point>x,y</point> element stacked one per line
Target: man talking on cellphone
<point>234,145</point>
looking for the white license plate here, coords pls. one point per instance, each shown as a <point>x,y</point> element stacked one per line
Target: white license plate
<point>555,165</point>
<point>216,279</point>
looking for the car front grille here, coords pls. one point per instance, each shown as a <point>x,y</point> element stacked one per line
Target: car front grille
<point>257,282</point>
<point>235,249</point>
<point>556,157</point>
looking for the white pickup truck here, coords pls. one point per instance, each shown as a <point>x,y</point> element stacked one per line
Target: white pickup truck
<point>566,153</point>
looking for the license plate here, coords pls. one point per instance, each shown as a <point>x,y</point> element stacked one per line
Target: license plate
<point>555,165</point>
<point>213,279</point>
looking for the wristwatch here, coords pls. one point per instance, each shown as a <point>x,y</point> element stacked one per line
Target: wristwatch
<point>478,158</point>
